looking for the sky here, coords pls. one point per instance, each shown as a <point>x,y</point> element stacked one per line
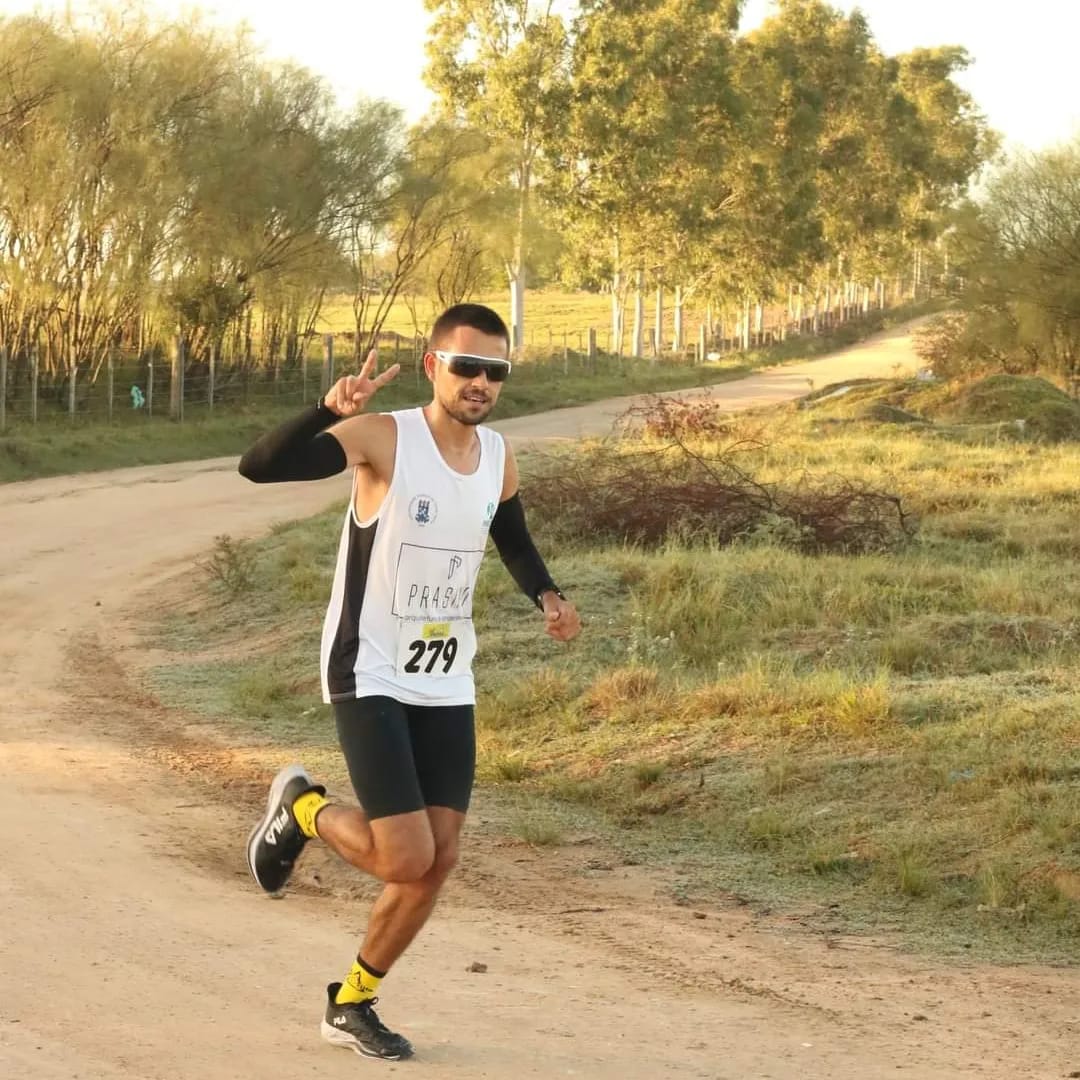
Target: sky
<point>1023,76</point>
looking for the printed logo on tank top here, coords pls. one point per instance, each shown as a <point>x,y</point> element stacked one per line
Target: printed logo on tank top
<point>423,510</point>
<point>435,582</point>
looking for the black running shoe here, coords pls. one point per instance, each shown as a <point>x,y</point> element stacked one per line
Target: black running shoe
<point>276,842</point>
<point>357,1027</point>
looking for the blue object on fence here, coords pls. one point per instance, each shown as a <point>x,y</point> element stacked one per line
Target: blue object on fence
<point>137,399</point>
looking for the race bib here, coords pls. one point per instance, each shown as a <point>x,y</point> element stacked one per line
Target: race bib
<point>436,649</point>
<point>433,594</point>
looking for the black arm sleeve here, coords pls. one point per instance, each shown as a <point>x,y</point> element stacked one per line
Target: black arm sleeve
<point>518,552</point>
<point>300,449</point>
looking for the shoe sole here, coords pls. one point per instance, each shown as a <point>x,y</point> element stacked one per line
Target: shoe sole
<point>337,1037</point>
<point>277,788</point>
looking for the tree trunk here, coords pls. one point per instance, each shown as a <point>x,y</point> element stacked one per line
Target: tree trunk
<point>516,281</point>
<point>639,313</point>
<point>616,302</point>
<point>516,270</point>
<point>658,339</point>
<point>678,345</point>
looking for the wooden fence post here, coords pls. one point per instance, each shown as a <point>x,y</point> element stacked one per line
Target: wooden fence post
<point>33,383</point>
<point>328,363</point>
<point>211,376</point>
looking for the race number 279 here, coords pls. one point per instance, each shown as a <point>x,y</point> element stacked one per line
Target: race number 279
<point>424,655</point>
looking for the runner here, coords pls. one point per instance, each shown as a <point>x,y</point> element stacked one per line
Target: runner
<point>429,486</point>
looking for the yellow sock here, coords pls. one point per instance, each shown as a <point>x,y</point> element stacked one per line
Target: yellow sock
<point>359,985</point>
<point>304,810</point>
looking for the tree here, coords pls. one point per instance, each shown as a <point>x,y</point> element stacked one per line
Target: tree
<point>1019,255</point>
<point>499,66</point>
<point>401,199</point>
<point>639,161</point>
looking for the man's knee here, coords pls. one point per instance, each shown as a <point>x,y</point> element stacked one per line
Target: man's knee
<point>443,863</point>
<point>410,864</point>
<point>422,867</point>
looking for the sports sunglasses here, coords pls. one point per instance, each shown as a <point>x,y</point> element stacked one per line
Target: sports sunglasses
<point>468,366</point>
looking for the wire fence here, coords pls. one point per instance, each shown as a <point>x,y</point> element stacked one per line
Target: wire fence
<point>128,387</point>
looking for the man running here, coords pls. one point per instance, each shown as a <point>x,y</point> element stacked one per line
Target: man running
<point>429,485</point>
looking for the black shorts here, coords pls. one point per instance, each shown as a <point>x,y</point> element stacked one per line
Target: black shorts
<point>405,757</point>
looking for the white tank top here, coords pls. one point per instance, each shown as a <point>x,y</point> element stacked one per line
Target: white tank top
<point>399,622</point>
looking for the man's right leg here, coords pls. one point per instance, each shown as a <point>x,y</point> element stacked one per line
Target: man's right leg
<point>390,837</point>
<point>399,848</point>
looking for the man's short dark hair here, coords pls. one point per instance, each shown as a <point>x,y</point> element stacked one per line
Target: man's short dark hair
<point>475,316</point>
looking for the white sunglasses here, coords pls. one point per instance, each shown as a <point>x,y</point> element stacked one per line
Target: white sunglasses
<point>468,366</point>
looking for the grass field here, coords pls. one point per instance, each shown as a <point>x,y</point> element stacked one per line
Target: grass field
<point>548,315</point>
<point>56,445</point>
<point>881,742</point>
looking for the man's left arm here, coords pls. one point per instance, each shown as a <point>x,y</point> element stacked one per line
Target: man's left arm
<point>515,546</point>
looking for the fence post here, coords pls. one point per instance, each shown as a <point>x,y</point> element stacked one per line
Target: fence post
<point>109,381</point>
<point>302,352</point>
<point>3,388</point>
<point>176,382</point>
<point>565,355</point>
<point>592,344</point>
<point>150,385</point>
<point>211,376</point>
<point>328,363</point>
<point>71,389</point>
<point>701,344</point>
<point>33,383</point>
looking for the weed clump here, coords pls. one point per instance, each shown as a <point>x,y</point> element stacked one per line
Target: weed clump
<point>669,489</point>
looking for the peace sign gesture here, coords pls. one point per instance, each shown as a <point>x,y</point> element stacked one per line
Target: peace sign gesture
<point>351,393</point>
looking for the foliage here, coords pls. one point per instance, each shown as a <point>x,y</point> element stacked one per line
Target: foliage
<point>164,179</point>
<point>231,564</point>
<point>1017,253</point>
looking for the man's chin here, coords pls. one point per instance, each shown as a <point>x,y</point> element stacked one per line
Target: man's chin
<point>471,414</point>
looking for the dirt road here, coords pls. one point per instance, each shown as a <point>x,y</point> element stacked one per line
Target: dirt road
<point>126,954</point>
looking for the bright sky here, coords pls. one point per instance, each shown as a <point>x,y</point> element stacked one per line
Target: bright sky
<point>1023,76</point>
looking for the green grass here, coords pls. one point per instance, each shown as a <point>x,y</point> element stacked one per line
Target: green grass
<point>977,409</point>
<point>58,446</point>
<point>891,741</point>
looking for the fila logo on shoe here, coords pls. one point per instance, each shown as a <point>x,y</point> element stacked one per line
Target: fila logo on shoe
<point>339,1020</point>
<point>277,826</point>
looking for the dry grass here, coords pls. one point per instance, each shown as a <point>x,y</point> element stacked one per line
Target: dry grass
<point>895,734</point>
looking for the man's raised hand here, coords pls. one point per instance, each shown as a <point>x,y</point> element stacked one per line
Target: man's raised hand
<point>351,393</point>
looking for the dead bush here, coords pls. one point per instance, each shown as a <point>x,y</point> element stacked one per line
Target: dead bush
<point>652,492</point>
